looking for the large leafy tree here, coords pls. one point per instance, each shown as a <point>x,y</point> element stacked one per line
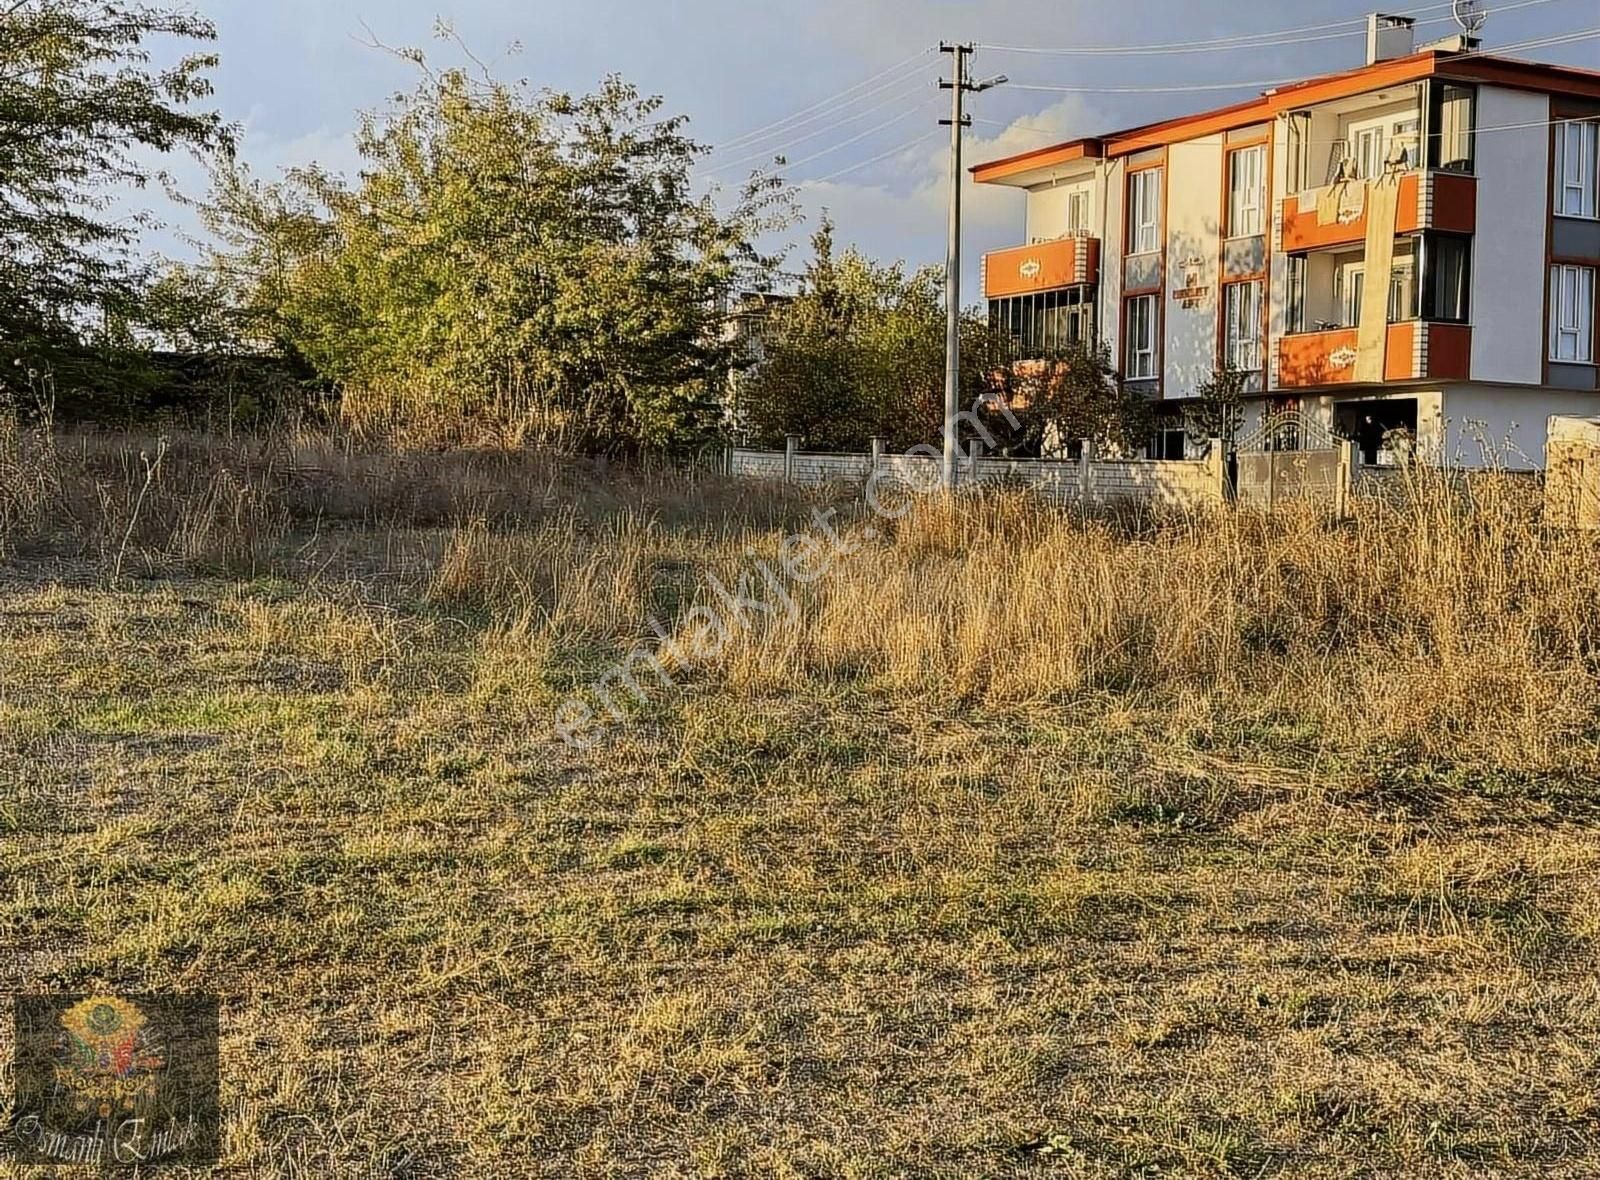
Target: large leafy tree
<point>859,352</point>
<point>1068,394</point>
<point>507,255</point>
<point>82,110</point>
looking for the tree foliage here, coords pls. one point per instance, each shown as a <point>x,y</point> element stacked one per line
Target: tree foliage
<point>520,256</point>
<point>860,352</point>
<point>1218,410</point>
<point>1070,394</point>
<point>80,107</point>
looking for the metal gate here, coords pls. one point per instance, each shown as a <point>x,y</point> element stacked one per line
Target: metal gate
<point>1291,457</point>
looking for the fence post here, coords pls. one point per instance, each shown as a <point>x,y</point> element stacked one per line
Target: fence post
<point>974,453</point>
<point>1344,482</point>
<point>791,448</point>
<point>1085,462</point>
<point>877,454</point>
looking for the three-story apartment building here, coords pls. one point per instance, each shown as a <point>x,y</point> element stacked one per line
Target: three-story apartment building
<point>1405,249</point>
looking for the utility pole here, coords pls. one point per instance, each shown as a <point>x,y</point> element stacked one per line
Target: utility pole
<point>958,122</point>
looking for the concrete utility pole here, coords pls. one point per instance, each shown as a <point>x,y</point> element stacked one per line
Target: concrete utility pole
<point>958,121</point>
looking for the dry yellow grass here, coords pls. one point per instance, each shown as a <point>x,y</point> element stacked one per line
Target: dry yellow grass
<point>1213,846</point>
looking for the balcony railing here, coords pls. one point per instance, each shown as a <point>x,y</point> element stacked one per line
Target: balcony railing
<point>1416,350</point>
<point>1428,200</point>
<point>1022,270</point>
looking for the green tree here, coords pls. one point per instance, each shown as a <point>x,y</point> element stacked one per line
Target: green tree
<point>520,257</point>
<point>859,352</point>
<point>1218,410</point>
<point>79,99</point>
<point>1063,396</point>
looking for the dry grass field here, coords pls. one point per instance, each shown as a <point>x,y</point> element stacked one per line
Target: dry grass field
<point>1027,846</point>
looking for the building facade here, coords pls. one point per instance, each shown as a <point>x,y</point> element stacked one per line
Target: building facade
<point>1405,253</point>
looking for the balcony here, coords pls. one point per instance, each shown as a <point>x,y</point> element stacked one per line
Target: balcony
<point>1428,200</point>
<point>1046,266</point>
<point>1417,350</point>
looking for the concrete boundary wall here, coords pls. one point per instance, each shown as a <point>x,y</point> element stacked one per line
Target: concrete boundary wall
<point>1185,483</point>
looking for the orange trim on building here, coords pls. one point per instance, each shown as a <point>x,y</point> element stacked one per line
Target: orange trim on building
<point>1566,81</point>
<point>1302,230</point>
<point>1046,266</point>
<point>1455,209</point>
<point>1049,157</point>
<point>1309,359</point>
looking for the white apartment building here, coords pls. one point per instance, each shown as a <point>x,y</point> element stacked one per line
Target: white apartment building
<point>1408,246</point>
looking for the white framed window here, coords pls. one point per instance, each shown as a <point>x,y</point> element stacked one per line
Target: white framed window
<point>1367,149</point>
<point>1141,345</point>
<point>1350,285</point>
<point>1572,314</point>
<point>1403,142</point>
<point>1577,169</point>
<point>1243,312</point>
<point>1078,212</point>
<point>1144,212</point>
<point>1247,174</point>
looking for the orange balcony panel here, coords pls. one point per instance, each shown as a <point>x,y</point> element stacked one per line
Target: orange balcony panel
<point>1023,270</point>
<point>1448,202</point>
<point>1329,358</point>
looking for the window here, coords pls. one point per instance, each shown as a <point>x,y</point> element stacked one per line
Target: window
<point>1078,212</point>
<point>1572,314</point>
<point>1446,277</point>
<point>1350,284</point>
<point>1246,192</point>
<point>1295,313</point>
<point>1299,167</point>
<point>1367,149</point>
<point>1243,311</point>
<point>1080,322</point>
<point>1045,323</point>
<point>1168,442</point>
<point>1404,142</point>
<point>1577,169</point>
<point>1451,116</point>
<point>1144,212</point>
<point>1141,344</point>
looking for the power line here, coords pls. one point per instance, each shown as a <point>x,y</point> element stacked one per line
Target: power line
<point>1537,43</point>
<point>1185,89</point>
<point>1540,43</point>
<point>768,153</point>
<point>842,98</point>
<point>894,151</point>
<point>1245,40</point>
<point>870,131</point>
<point>1553,40</point>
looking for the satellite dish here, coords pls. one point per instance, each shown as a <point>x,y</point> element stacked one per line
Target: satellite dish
<point>1470,15</point>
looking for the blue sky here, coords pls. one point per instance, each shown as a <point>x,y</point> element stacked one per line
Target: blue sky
<point>295,72</point>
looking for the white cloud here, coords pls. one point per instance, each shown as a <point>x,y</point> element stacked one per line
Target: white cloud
<point>901,209</point>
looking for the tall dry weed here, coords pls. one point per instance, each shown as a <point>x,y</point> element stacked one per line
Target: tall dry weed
<point>1449,620</point>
